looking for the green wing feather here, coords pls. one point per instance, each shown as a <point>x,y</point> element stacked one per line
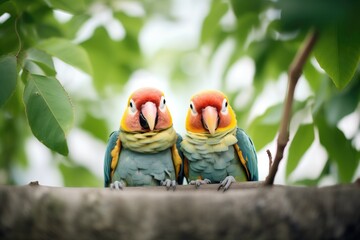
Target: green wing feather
<point>249,153</point>
<point>107,160</point>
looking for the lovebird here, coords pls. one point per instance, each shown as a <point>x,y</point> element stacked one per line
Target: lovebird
<point>144,150</point>
<point>215,149</point>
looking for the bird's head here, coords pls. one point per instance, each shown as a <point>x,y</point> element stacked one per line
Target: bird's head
<point>210,112</point>
<point>146,111</point>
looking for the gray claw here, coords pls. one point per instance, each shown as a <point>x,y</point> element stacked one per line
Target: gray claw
<point>168,184</point>
<point>199,182</point>
<point>118,185</point>
<point>226,183</point>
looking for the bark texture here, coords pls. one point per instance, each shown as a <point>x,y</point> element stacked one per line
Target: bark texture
<point>246,211</point>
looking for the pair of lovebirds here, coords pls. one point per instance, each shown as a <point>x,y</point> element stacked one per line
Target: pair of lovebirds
<point>146,150</point>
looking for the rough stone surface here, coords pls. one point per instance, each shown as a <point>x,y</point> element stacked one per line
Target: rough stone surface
<point>246,211</point>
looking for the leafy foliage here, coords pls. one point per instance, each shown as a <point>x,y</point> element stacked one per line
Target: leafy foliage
<point>65,50</point>
<point>337,52</point>
<point>7,77</point>
<point>78,176</point>
<point>269,32</point>
<point>264,128</point>
<point>301,142</point>
<point>45,97</point>
<point>31,37</point>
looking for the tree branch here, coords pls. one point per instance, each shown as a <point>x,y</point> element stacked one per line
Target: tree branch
<point>37,212</point>
<point>294,74</point>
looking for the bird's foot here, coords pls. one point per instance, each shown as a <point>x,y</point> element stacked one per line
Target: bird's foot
<point>199,182</point>
<point>118,185</point>
<point>226,183</point>
<point>168,184</point>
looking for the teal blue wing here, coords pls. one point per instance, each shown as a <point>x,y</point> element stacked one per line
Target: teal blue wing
<point>107,160</point>
<point>248,152</point>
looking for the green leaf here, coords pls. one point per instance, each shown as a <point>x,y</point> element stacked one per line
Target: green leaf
<point>264,128</point>
<point>113,61</point>
<point>272,58</point>
<point>32,68</point>
<point>211,22</point>
<point>244,26</point>
<point>8,76</point>
<point>303,139</point>
<point>42,59</point>
<point>313,76</point>
<point>305,14</point>
<point>49,111</point>
<point>340,149</point>
<point>342,103</point>
<point>71,6</point>
<point>8,6</point>
<point>10,43</point>
<point>96,126</point>
<point>78,176</point>
<point>338,53</point>
<point>132,24</point>
<point>242,7</point>
<point>68,52</point>
<point>71,27</point>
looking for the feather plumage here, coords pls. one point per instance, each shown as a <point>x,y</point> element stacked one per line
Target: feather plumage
<point>213,146</point>
<point>143,151</point>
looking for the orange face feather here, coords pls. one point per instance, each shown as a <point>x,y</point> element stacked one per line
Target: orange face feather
<point>209,112</point>
<point>146,111</point>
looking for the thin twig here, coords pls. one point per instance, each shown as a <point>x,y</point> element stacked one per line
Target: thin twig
<point>18,36</point>
<point>294,74</point>
<point>270,159</point>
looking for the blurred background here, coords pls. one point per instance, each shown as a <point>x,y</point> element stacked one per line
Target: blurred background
<point>100,51</point>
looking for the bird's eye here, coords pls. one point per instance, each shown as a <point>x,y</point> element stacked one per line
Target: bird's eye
<point>162,104</point>
<point>192,107</point>
<point>224,108</point>
<point>132,106</point>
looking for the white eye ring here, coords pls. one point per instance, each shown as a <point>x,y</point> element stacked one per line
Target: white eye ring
<point>193,109</point>
<point>132,107</point>
<point>162,105</point>
<point>224,108</point>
